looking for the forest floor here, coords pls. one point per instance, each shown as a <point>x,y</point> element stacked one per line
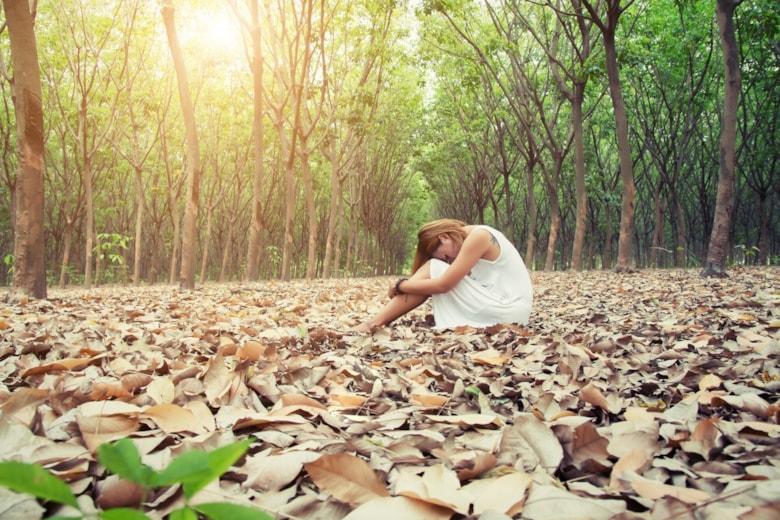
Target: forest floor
<point>645,395</point>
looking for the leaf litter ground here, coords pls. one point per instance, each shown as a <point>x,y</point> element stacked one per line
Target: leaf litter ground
<point>648,395</point>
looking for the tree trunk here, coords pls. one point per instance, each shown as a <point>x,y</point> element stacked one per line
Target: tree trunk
<point>289,211</point>
<point>625,240</point>
<point>90,206</point>
<point>658,229</point>
<point>139,220</point>
<point>717,251</point>
<point>311,210</point>
<point>204,257</point>
<point>552,239</point>
<point>764,214</point>
<point>256,226</point>
<point>530,244</point>
<point>192,154</point>
<point>334,211</point>
<point>579,180</point>
<point>68,238</point>
<point>226,254</point>
<point>681,246</point>
<point>174,246</point>
<point>29,243</point>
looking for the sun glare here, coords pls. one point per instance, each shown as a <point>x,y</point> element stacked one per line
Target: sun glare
<point>214,32</point>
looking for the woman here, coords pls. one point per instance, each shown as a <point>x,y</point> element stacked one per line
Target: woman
<point>474,275</point>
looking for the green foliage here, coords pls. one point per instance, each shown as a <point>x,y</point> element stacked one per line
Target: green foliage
<point>8,262</point>
<point>192,470</point>
<point>34,480</point>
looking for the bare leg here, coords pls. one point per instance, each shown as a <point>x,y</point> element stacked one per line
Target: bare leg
<point>399,305</point>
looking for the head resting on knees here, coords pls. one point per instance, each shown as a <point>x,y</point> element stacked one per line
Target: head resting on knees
<point>432,235</point>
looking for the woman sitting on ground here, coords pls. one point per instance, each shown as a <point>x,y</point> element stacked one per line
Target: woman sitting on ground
<point>474,275</point>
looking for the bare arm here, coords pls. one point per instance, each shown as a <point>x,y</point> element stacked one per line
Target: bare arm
<point>476,244</point>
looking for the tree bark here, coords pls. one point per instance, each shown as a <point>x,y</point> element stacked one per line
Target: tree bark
<point>192,154</point>
<point>139,220</point>
<point>29,240</point>
<point>68,238</point>
<point>258,140</point>
<point>625,238</point>
<point>579,179</point>
<point>89,213</point>
<point>530,243</point>
<point>311,210</point>
<point>717,252</point>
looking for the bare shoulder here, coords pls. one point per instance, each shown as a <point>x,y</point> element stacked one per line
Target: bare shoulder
<point>477,234</point>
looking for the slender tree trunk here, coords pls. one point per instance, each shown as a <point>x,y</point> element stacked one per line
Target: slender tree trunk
<point>311,210</point>
<point>579,180</point>
<point>68,238</point>
<point>530,244</point>
<point>29,241</point>
<point>334,210</point>
<point>204,257</point>
<point>289,210</point>
<point>658,228</point>
<point>192,153</point>
<point>139,220</point>
<point>175,246</point>
<point>606,254</point>
<point>89,209</point>
<point>258,141</point>
<point>625,240</point>
<point>681,246</point>
<point>226,254</point>
<point>764,214</point>
<point>555,225</point>
<point>717,251</point>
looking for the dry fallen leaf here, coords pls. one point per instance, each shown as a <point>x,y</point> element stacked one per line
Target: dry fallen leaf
<point>347,478</point>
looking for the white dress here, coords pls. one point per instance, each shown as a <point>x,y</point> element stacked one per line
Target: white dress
<point>495,291</point>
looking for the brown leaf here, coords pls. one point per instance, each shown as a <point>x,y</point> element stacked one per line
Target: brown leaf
<point>61,365</point>
<point>398,507</point>
<point>709,382</point>
<point>633,461</point>
<point>590,394</point>
<point>251,351</point>
<point>23,397</point>
<point>98,429</point>
<point>504,494</point>
<point>653,490</point>
<point>172,418</point>
<point>530,443</point>
<point>490,357</point>
<point>116,492</point>
<point>545,502</point>
<point>347,478</point>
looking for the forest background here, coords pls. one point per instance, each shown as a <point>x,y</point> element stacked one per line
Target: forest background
<point>319,135</point>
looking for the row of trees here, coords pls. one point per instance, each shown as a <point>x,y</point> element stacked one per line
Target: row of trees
<point>285,155</point>
<point>597,133</point>
<point>523,120</point>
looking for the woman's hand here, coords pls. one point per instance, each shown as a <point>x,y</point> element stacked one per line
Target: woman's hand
<point>395,288</point>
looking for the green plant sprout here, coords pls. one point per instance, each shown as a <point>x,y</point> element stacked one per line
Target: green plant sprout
<point>192,470</point>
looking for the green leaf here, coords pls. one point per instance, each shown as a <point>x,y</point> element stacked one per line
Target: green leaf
<point>473,391</point>
<point>195,469</point>
<point>34,480</point>
<point>184,513</point>
<point>123,513</point>
<point>224,511</point>
<point>219,461</point>
<point>185,466</point>
<point>122,459</point>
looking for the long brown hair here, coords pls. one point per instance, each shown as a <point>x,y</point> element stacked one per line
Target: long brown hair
<point>428,238</point>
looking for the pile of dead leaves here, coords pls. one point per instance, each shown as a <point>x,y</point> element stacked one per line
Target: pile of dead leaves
<point>647,395</point>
